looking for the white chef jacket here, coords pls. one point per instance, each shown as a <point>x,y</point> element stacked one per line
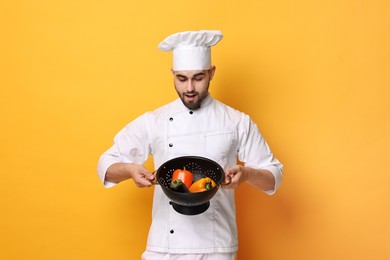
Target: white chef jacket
<point>215,131</point>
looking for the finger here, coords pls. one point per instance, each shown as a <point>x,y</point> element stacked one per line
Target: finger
<point>153,180</point>
<point>228,185</point>
<point>151,176</point>
<point>227,180</point>
<point>143,182</point>
<point>232,171</point>
<point>230,174</point>
<point>146,183</point>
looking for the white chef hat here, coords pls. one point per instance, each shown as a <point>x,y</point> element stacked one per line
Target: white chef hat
<point>191,49</point>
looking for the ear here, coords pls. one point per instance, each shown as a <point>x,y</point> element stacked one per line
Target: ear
<point>212,72</point>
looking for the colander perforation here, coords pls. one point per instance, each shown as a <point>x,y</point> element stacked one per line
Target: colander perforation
<point>197,170</point>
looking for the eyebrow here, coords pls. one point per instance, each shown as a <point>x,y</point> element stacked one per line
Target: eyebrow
<point>195,75</point>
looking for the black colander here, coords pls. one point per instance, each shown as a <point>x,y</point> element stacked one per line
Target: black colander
<point>188,203</point>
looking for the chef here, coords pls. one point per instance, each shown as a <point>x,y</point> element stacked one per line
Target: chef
<point>194,124</point>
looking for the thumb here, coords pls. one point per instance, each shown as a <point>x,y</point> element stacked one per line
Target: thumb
<point>151,176</point>
<point>227,179</point>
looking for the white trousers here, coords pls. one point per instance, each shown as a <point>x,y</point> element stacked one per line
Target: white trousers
<point>149,255</point>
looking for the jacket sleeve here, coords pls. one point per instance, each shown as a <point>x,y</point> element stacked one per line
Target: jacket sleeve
<point>254,151</point>
<point>131,145</point>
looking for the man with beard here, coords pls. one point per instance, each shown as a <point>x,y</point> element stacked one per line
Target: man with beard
<point>198,125</point>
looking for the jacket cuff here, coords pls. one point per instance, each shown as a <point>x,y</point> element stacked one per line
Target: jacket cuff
<point>102,170</point>
<point>277,173</point>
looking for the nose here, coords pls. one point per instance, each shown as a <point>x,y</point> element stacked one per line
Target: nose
<point>190,86</point>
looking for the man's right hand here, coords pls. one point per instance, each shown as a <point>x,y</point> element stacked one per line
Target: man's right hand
<point>142,177</point>
<point>119,172</point>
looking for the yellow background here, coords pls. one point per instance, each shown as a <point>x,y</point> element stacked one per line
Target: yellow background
<point>314,75</point>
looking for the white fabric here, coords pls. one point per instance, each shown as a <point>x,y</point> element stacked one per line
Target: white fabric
<point>149,255</point>
<point>215,131</point>
<point>191,50</point>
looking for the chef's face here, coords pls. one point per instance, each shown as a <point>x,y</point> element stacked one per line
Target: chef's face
<point>192,86</point>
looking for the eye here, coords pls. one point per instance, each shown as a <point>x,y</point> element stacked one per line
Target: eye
<point>181,79</point>
<point>199,78</point>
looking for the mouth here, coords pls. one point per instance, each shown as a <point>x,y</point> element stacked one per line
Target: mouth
<point>190,96</point>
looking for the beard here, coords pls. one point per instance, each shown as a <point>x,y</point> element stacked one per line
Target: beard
<point>191,104</point>
<point>193,100</point>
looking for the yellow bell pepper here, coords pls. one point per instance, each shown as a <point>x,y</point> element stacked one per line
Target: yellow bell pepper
<point>202,185</point>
